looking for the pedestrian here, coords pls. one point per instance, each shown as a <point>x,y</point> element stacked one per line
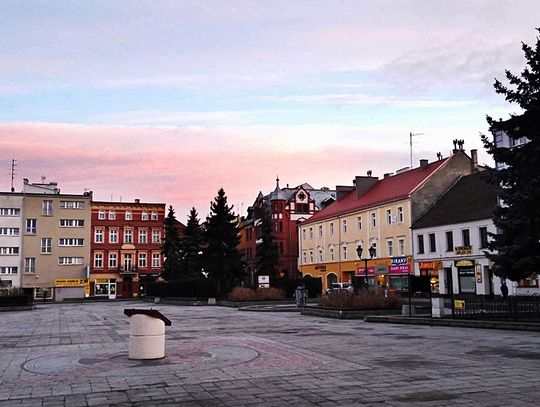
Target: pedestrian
<point>504,290</point>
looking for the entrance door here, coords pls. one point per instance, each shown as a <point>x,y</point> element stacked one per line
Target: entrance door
<point>128,262</point>
<point>127,287</point>
<point>448,280</point>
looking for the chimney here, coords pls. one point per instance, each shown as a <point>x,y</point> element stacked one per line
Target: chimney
<point>474,160</point>
<point>423,163</point>
<point>342,190</point>
<point>137,200</point>
<point>363,184</point>
<point>387,174</point>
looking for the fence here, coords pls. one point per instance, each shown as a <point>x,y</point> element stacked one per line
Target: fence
<point>494,307</point>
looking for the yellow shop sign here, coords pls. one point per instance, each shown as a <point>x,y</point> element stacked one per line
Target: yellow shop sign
<point>71,282</point>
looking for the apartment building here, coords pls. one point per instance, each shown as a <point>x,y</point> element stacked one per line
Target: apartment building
<point>11,206</point>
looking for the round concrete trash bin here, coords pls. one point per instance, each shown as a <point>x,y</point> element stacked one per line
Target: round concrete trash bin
<point>146,334</point>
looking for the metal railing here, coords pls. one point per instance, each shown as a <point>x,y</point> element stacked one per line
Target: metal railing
<point>471,306</point>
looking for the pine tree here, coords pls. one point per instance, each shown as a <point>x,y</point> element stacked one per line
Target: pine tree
<point>517,243</point>
<point>222,235</point>
<point>267,251</point>
<point>191,246</point>
<point>171,248</point>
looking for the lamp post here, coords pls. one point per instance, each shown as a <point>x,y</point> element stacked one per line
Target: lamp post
<point>371,251</point>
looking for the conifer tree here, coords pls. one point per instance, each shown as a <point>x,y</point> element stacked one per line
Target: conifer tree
<point>267,251</point>
<point>171,247</point>
<point>517,243</point>
<point>222,259</point>
<point>191,246</point>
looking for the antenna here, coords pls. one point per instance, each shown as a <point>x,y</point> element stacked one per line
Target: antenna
<point>13,165</point>
<point>411,135</point>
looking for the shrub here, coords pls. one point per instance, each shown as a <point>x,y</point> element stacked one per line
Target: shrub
<point>363,299</point>
<point>193,287</point>
<point>14,296</point>
<point>259,294</point>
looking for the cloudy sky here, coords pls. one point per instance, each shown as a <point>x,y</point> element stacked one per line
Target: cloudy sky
<point>168,101</point>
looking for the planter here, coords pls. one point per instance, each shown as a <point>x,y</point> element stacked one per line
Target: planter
<point>347,313</point>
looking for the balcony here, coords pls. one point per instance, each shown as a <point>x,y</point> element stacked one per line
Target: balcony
<point>127,270</point>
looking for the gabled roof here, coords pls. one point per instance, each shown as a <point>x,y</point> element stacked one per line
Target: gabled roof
<point>389,189</point>
<point>471,198</point>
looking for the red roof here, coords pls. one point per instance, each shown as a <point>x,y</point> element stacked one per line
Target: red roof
<point>390,189</point>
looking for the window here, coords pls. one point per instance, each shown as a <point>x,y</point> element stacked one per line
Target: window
<point>9,231</point>
<point>311,259</point>
<point>128,215</point>
<point>420,244</point>
<point>320,231</point>
<point>98,260</point>
<point>432,245</point>
<point>400,217</point>
<point>142,260</point>
<point>156,236</point>
<point>466,238</point>
<point>144,215</point>
<point>278,226</point>
<point>10,212</point>
<point>72,204</point>
<point>70,241</point>
<point>112,215</point>
<point>344,251</point>
<point>332,253</point>
<point>154,216</point>
<point>304,256</point>
<point>113,235</point>
<point>9,251</point>
<point>143,236</point>
<point>373,220</point>
<point>344,225</point>
<point>113,260</point>
<point>467,283</point>
<point>320,255</point>
<point>358,223</point>
<point>46,245</point>
<point>8,270</point>
<point>69,261</point>
<point>332,228</point>
<point>310,233</point>
<point>389,216</point>
<point>71,223</point>
<point>46,208</point>
<point>303,234</point>
<point>156,260</point>
<point>401,243</point>
<point>390,248</point>
<point>31,226</point>
<point>98,236</point>
<point>374,245</point>
<point>302,208</point>
<point>101,215</point>
<point>128,235</point>
<point>30,265</point>
<point>483,237</point>
<point>449,241</point>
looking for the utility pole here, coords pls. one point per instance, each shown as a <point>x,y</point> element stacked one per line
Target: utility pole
<point>13,165</point>
<point>411,135</point>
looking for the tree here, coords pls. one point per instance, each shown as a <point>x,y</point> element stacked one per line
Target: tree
<point>267,251</point>
<point>222,234</point>
<point>171,247</point>
<point>516,246</point>
<point>190,247</point>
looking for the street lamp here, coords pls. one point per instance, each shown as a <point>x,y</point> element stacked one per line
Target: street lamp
<point>372,252</point>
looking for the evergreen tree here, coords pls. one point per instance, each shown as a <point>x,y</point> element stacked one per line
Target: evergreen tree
<point>517,243</point>
<point>267,251</point>
<point>190,245</point>
<point>171,247</point>
<point>222,235</point>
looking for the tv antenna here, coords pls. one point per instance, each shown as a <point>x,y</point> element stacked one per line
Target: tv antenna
<point>13,165</point>
<point>411,135</point>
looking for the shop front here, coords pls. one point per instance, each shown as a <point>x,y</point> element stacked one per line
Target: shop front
<point>105,287</point>
<point>431,269</point>
<point>466,276</point>
<point>68,288</point>
<point>391,273</point>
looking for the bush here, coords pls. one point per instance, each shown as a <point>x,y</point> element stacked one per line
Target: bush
<point>193,287</point>
<point>259,294</point>
<point>362,300</point>
<point>313,285</point>
<point>14,296</point>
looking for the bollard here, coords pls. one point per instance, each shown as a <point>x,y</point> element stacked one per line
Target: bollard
<point>146,333</point>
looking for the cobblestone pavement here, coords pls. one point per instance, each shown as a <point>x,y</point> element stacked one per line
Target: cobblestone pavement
<point>76,355</point>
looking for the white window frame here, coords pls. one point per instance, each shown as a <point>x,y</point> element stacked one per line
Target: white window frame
<point>30,265</point>
<point>389,216</point>
<point>320,231</point>
<point>98,260</point>
<point>156,236</point>
<point>128,236</point>
<point>72,204</point>
<point>98,235</point>
<point>113,235</point>
<point>390,247</point>
<point>70,261</point>
<point>142,261</point>
<point>400,214</point>
<point>344,253</point>
<point>331,228</point>
<point>31,226</point>
<point>70,242</point>
<point>154,216</point>
<point>344,225</point>
<point>128,215</point>
<point>71,223</point>
<point>112,215</point>
<point>9,231</point>
<point>143,236</point>
<point>9,251</point>
<point>9,269</point>
<point>156,260</point>
<point>373,217</point>
<point>401,244</point>
<point>13,212</point>
<point>101,215</point>
<point>113,260</point>
<point>359,223</point>
<point>144,215</point>
<point>47,207</point>
<point>46,245</point>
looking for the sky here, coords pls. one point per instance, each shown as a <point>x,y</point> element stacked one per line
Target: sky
<point>168,101</point>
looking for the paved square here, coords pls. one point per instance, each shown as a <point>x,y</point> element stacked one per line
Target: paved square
<point>76,355</point>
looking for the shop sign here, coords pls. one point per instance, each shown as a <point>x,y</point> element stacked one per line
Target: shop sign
<point>430,265</point>
<point>402,269</point>
<point>397,261</point>
<point>459,305</point>
<point>70,282</point>
<point>459,250</point>
<point>464,263</point>
<point>320,268</point>
<point>479,273</point>
<point>264,281</point>
<point>381,269</point>
<point>361,271</point>
<point>102,281</point>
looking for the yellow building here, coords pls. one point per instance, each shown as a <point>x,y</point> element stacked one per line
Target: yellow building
<point>375,214</point>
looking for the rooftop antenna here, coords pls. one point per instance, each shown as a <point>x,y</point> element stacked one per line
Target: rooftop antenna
<point>13,165</point>
<point>43,178</point>
<point>411,135</point>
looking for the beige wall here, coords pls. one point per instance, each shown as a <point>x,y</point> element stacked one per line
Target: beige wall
<point>47,264</point>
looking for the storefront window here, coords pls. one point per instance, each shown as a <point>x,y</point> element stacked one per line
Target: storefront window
<point>399,283</point>
<point>467,283</point>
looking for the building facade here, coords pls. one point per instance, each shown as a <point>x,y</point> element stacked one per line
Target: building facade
<point>287,207</point>
<point>11,215</point>
<point>126,247</point>
<point>375,214</point>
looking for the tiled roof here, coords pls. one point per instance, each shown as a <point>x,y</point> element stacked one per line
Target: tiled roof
<point>388,189</point>
<point>471,198</point>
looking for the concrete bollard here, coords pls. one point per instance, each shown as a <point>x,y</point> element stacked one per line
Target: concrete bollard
<point>437,307</point>
<point>146,334</point>
<point>405,310</point>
